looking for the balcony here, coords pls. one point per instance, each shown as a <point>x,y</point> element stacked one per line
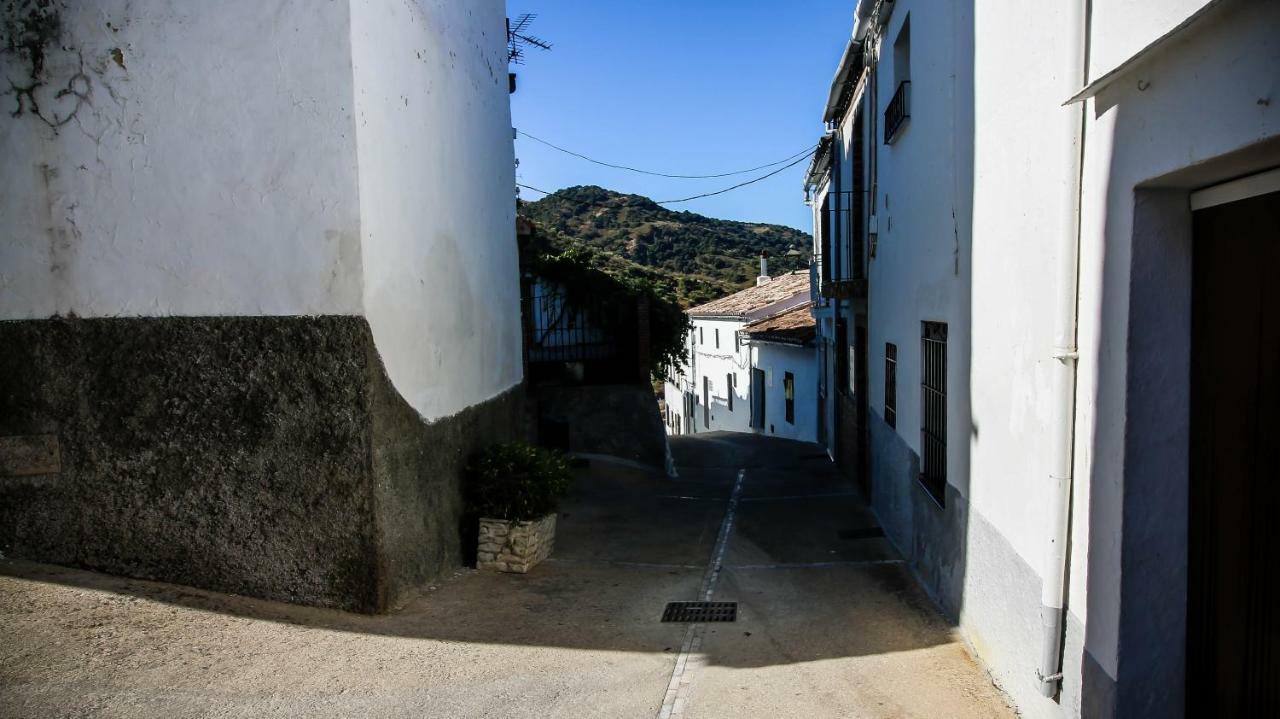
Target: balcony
<point>897,112</point>
<point>848,288</point>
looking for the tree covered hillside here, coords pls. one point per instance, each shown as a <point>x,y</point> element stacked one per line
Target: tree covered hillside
<point>697,258</point>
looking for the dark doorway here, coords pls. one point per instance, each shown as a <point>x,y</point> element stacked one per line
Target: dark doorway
<point>1233,628</point>
<point>860,407</point>
<point>757,399</point>
<point>688,413</point>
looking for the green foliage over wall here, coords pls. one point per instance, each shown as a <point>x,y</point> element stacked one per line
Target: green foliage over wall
<point>590,280</point>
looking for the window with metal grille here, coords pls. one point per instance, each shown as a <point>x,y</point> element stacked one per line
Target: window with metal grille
<point>789,392</point>
<point>701,340</point>
<point>891,384</point>
<point>717,338</point>
<point>728,383</point>
<point>933,409</point>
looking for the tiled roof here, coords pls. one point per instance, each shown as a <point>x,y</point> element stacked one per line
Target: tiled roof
<point>754,298</point>
<point>795,326</point>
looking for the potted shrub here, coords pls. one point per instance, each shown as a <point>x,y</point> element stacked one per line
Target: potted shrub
<point>515,489</point>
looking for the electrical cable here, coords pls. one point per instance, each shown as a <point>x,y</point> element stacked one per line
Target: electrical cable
<point>802,153</point>
<point>740,184</point>
<point>529,187</point>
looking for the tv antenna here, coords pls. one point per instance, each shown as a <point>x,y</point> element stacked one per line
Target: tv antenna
<point>518,39</point>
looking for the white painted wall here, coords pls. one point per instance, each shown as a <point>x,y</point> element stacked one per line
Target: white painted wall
<point>437,205</point>
<point>1200,99</point>
<point>213,173</point>
<point>1122,28</point>
<point>991,275</point>
<point>921,258</point>
<point>282,158</point>
<point>716,364</point>
<point>776,360</point>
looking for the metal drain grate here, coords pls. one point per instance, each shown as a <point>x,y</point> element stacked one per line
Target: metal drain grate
<point>700,612</point>
<point>863,533</point>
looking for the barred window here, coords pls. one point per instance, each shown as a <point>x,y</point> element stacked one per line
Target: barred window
<point>933,409</point>
<point>891,384</point>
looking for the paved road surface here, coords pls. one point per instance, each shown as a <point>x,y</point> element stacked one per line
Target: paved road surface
<point>830,624</point>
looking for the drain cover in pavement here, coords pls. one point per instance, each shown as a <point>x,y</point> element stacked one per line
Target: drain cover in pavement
<point>864,533</point>
<point>701,612</point>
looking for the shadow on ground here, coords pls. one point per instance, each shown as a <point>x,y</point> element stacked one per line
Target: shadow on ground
<point>814,578</point>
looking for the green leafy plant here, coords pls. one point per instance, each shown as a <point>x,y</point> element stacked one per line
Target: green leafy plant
<point>517,481</point>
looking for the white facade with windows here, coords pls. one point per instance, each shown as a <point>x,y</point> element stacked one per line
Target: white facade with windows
<point>1025,212</point>
<point>717,387</point>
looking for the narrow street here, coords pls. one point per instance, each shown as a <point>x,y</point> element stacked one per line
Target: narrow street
<point>830,623</point>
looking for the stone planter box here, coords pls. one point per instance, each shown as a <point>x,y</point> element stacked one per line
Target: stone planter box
<point>515,546</point>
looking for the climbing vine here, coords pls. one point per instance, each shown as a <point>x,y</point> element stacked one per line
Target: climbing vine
<point>577,270</point>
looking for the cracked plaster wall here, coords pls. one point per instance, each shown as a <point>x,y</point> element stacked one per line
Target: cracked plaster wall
<point>248,158</point>
<point>177,159</point>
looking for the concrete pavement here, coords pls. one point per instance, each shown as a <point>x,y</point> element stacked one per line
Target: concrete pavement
<point>830,624</point>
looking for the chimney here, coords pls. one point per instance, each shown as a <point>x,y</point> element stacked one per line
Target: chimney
<point>764,268</point>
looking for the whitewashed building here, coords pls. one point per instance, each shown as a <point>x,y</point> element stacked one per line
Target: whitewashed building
<point>1013,204</point>
<point>259,295</point>
<point>784,380</point>
<point>723,384</point>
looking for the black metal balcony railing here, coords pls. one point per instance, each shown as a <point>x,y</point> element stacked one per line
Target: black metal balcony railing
<point>897,112</point>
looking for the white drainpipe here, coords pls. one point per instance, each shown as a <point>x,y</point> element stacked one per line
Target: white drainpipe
<point>1053,583</point>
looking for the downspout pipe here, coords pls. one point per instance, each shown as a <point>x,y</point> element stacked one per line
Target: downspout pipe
<point>1063,366</point>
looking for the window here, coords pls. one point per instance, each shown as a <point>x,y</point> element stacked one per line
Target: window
<point>737,342</point>
<point>933,409</point>
<point>899,107</point>
<point>891,384</point>
<point>824,234</point>
<point>717,338</point>
<point>701,340</point>
<point>706,402</point>
<point>728,383</point>
<point>789,393</point>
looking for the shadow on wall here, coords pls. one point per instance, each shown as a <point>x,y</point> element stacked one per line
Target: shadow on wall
<point>1136,659</point>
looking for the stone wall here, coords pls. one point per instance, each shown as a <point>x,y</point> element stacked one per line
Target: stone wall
<point>617,420</point>
<point>515,546</point>
<point>265,456</point>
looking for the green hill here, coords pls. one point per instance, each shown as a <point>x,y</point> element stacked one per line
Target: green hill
<point>692,258</point>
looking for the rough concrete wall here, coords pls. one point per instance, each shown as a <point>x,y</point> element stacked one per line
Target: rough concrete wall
<point>225,453</point>
<point>262,456</point>
<point>617,420</point>
<point>418,470</point>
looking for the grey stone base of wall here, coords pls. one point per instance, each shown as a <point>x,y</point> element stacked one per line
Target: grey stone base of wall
<point>620,420</point>
<point>265,456</point>
<point>980,583</point>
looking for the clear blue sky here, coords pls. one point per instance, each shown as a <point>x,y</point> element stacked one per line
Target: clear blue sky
<point>685,87</point>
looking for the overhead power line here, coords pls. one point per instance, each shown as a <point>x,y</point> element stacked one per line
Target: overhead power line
<point>530,187</point>
<point>803,153</point>
<point>740,184</point>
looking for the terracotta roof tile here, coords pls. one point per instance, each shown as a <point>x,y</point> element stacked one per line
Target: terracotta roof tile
<point>795,325</point>
<point>753,298</point>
